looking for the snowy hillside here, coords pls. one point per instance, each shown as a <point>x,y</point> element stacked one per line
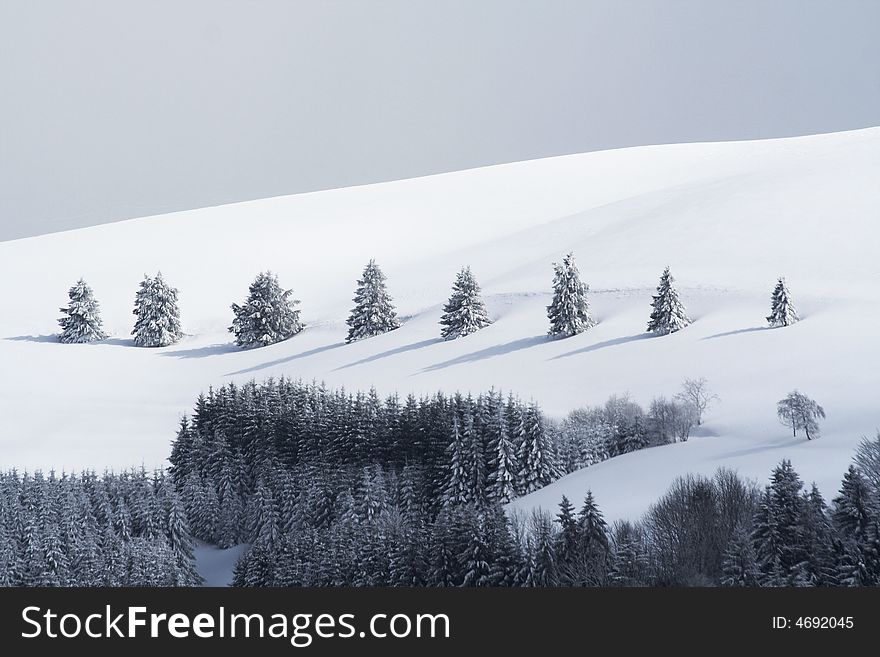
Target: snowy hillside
<point>728,218</point>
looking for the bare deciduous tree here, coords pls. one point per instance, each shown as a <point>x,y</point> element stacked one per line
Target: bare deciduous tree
<point>696,393</point>
<point>800,412</point>
<point>684,417</point>
<point>671,421</point>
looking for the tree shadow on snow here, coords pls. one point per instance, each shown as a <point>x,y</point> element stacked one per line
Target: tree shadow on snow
<point>606,343</point>
<point>758,449</point>
<point>737,332</point>
<point>490,352</point>
<point>117,342</point>
<point>391,352</point>
<point>202,352</point>
<point>287,359</point>
<point>53,338</point>
<point>34,338</point>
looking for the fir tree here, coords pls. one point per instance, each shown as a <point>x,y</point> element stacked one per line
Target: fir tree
<point>455,491</point>
<point>374,312</point>
<point>668,314</point>
<point>569,313</point>
<point>568,539</point>
<point>855,516</point>
<point>476,558</point>
<point>629,558</point>
<point>82,317</point>
<point>268,316</point>
<point>853,506</point>
<point>739,567</point>
<point>535,457</point>
<point>465,312</point>
<point>589,565</point>
<point>782,310</point>
<point>776,536</point>
<point>818,565</point>
<point>506,467</point>
<point>542,561</point>
<point>592,525</point>
<point>157,322</point>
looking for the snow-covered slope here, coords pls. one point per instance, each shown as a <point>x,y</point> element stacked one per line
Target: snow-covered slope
<point>728,218</point>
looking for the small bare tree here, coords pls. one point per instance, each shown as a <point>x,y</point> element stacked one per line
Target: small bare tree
<point>800,412</point>
<point>683,418</point>
<point>696,393</point>
<point>671,421</point>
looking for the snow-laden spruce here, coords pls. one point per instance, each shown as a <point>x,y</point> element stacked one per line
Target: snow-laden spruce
<point>782,310</point>
<point>373,313</point>
<point>465,312</point>
<point>157,322</point>
<point>536,458</point>
<point>668,314</point>
<point>82,317</point>
<point>268,316</point>
<point>569,313</point>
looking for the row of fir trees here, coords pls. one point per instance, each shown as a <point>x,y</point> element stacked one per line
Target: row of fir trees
<point>270,313</point>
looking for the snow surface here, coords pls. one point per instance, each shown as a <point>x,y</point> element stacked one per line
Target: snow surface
<point>729,218</point>
<point>216,565</point>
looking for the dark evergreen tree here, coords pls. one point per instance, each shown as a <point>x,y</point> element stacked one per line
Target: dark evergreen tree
<point>536,460</point>
<point>740,567</point>
<point>506,469</point>
<point>629,565</point>
<point>776,536</point>
<point>569,537</point>
<point>456,491</point>
<point>819,563</point>
<point>542,557</point>
<point>855,516</point>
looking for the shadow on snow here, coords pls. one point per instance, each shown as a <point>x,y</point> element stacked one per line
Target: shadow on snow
<point>391,352</point>
<point>490,352</point>
<point>607,343</point>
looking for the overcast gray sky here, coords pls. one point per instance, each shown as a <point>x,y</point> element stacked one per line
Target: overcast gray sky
<point>111,109</point>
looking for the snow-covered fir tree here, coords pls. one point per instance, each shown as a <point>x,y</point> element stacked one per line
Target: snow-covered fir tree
<point>777,531</point>
<point>668,314</point>
<point>465,312</point>
<point>456,489</point>
<point>536,459</point>
<point>157,322</point>
<point>740,566</point>
<point>569,313</point>
<point>373,313</point>
<point>268,316</point>
<point>506,468</point>
<point>782,310</point>
<point>82,317</point>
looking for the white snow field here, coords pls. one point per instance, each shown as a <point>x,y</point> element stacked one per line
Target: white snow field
<point>729,218</point>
